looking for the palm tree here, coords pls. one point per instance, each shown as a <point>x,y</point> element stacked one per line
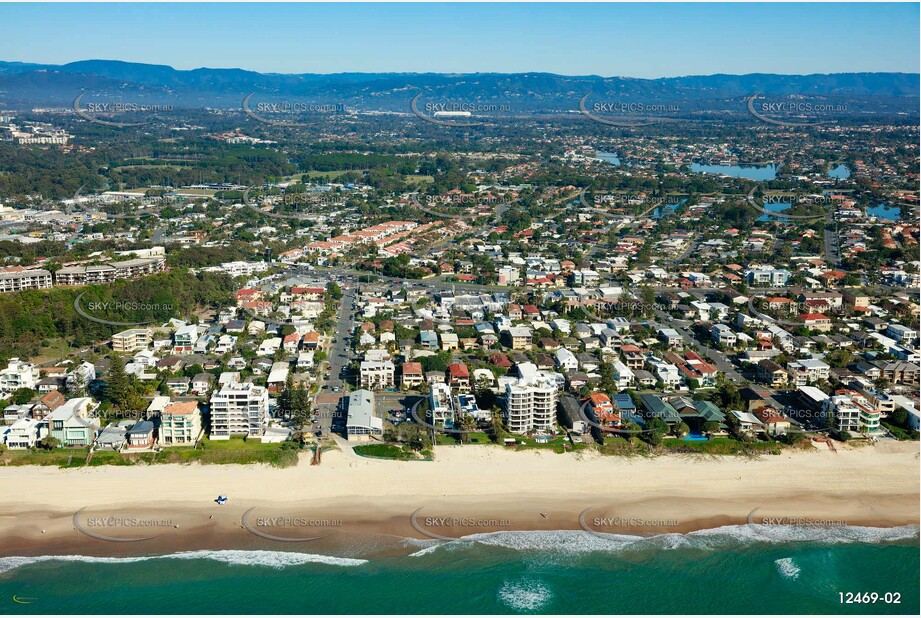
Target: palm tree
<point>466,425</point>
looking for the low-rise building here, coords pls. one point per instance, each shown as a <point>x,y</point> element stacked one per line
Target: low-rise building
<point>723,335</point>
<point>808,371</point>
<point>852,412</point>
<point>18,280</point>
<point>361,421</point>
<point>376,375</point>
<point>772,374</point>
<point>180,423</point>
<point>131,340</point>
<point>18,374</point>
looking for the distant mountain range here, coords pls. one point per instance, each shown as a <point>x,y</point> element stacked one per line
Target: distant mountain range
<point>23,85</point>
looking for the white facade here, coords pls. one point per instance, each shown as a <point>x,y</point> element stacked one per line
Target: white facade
<point>18,374</point>
<point>25,433</point>
<point>377,374</point>
<point>623,375</point>
<point>239,408</point>
<point>566,360</point>
<point>667,373</point>
<point>530,401</point>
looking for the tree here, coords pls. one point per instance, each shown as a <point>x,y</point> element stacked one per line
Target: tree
<point>681,429</point>
<point>300,405</point>
<point>118,386</point>
<point>285,399</point>
<point>48,442</point>
<point>22,396</point>
<point>466,425</point>
<point>497,430</point>
<point>899,417</point>
<point>656,429</point>
<point>710,427</point>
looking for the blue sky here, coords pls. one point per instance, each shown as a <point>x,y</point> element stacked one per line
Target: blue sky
<point>651,40</point>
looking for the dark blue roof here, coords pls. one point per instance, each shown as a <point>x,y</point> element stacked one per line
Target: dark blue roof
<point>623,401</point>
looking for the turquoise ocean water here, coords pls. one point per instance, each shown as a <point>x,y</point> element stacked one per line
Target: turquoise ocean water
<point>726,570</point>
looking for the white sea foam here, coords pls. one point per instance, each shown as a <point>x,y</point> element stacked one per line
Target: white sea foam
<point>525,595</point>
<point>713,539</point>
<point>787,568</point>
<point>271,559</point>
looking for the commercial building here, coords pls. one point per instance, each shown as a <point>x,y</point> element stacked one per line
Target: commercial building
<point>361,422</point>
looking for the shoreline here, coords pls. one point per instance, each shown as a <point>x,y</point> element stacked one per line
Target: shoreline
<point>360,508</point>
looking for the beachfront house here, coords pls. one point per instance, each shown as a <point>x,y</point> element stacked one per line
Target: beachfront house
<point>140,436</point>
<point>71,425</point>
<point>25,433</point>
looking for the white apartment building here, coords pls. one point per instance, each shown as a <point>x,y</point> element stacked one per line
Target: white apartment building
<point>131,340</point>
<point>239,409</point>
<point>376,375</point>
<point>853,412</point>
<point>25,280</point>
<point>509,275</point>
<point>767,276</point>
<point>585,277</point>
<point>18,374</point>
<point>901,333</point>
<point>530,402</point>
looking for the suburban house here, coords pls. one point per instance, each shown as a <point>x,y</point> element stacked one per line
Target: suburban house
<point>458,377</point>
<point>772,374</point>
<point>816,321</point>
<point>604,410</point>
<point>70,424</point>
<point>25,433</point>
<point>412,375</point>
<point>140,436</point>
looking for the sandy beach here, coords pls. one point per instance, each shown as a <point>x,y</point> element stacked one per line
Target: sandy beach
<point>360,503</point>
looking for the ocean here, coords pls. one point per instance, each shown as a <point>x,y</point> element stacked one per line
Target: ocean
<point>734,569</point>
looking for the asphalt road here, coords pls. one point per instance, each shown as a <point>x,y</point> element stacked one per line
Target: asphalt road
<point>338,359</point>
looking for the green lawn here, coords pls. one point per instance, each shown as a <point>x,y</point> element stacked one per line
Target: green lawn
<point>477,437</point>
<point>328,176</point>
<point>722,446</point>
<point>385,451</point>
<point>61,457</point>
<point>411,178</point>
<point>233,451</point>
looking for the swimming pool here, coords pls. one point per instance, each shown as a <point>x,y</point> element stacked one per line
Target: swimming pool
<point>695,437</point>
